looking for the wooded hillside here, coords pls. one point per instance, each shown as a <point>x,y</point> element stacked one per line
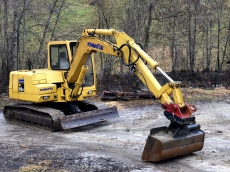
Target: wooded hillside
<point>183,35</point>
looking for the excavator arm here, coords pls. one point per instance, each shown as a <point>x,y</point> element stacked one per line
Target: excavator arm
<point>131,53</point>
<point>183,135</point>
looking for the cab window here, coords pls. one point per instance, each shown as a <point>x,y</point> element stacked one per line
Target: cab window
<point>59,57</point>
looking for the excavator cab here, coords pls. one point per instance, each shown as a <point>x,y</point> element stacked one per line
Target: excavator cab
<point>59,58</point>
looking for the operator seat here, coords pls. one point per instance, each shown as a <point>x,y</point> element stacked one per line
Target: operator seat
<point>64,63</point>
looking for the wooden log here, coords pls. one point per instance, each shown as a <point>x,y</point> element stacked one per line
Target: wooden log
<point>118,95</point>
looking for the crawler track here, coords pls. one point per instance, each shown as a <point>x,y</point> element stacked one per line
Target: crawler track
<point>33,115</point>
<point>58,116</point>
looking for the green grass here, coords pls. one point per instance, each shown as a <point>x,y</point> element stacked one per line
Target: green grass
<point>78,13</point>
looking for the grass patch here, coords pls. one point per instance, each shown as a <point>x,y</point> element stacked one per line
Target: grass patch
<point>195,95</point>
<point>42,166</point>
<point>77,13</point>
<point>33,168</point>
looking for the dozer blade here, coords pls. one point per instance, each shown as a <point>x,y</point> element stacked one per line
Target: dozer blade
<point>162,144</point>
<point>89,117</point>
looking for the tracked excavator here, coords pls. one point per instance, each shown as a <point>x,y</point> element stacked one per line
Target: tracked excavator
<point>54,97</point>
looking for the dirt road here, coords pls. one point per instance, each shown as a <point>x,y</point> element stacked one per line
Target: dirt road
<point>116,145</point>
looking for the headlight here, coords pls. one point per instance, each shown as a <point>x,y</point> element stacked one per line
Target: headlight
<point>46,97</point>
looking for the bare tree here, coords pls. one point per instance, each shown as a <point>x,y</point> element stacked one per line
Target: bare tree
<point>152,4</point>
<point>15,40</point>
<point>51,8</point>
<point>225,45</point>
<point>58,13</point>
<point>192,21</point>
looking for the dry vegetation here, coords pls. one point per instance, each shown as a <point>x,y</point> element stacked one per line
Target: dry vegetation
<point>191,95</point>
<point>216,94</point>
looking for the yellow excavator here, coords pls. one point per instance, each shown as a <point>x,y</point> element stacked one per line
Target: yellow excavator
<point>54,97</point>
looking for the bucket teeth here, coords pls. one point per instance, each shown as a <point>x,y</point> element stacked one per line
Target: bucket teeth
<point>163,144</point>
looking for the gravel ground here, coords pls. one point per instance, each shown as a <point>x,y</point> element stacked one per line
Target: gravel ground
<point>46,158</point>
<point>117,145</point>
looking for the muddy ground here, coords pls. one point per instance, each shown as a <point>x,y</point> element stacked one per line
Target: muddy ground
<point>117,145</point>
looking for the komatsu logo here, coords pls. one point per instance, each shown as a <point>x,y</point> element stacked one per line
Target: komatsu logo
<point>97,46</point>
<point>46,89</point>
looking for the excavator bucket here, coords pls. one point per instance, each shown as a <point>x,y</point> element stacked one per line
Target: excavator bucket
<point>163,144</point>
<point>89,117</point>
